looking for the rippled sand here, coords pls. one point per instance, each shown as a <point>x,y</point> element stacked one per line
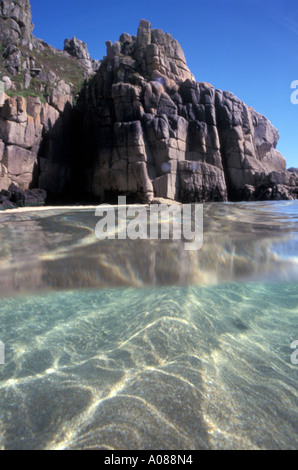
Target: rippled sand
<point>144,346</point>
<point>161,368</point>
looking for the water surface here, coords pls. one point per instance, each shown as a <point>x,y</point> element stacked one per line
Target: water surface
<point>141,345</point>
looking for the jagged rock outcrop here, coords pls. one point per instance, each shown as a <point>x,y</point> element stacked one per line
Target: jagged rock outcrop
<point>15,31</point>
<point>153,131</point>
<point>78,49</point>
<point>32,64</point>
<point>35,142</point>
<point>15,22</point>
<point>35,133</point>
<point>142,127</point>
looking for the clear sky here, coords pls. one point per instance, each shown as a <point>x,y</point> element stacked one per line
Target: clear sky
<point>248,47</point>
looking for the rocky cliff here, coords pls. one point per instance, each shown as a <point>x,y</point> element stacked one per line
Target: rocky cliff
<point>35,140</point>
<point>137,123</point>
<point>15,22</point>
<point>155,132</point>
<point>40,85</point>
<point>29,65</point>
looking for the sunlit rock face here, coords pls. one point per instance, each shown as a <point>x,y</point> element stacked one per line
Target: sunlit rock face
<point>34,141</point>
<point>78,49</point>
<point>153,131</point>
<point>140,127</point>
<point>15,31</point>
<point>15,21</point>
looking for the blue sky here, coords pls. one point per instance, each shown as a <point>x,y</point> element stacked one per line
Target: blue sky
<point>248,47</point>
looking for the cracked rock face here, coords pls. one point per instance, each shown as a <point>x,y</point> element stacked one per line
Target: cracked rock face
<point>15,30</point>
<point>34,142</point>
<point>142,127</point>
<point>15,21</point>
<point>153,131</point>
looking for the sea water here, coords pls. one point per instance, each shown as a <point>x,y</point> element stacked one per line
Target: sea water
<point>122,344</point>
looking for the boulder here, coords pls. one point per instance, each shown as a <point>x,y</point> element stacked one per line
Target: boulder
<point>5,200</point>
<point>16,197</point>
<point>7,82</point>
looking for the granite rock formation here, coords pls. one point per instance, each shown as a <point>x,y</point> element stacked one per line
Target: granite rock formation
<point>15,31</point>
<point>136,124</point>
<point>78,49</point>
<point>153,131</point>
<point>30,63</point>
<point>39,84</point>
<point>35,141</point>
<point>15,22</point>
